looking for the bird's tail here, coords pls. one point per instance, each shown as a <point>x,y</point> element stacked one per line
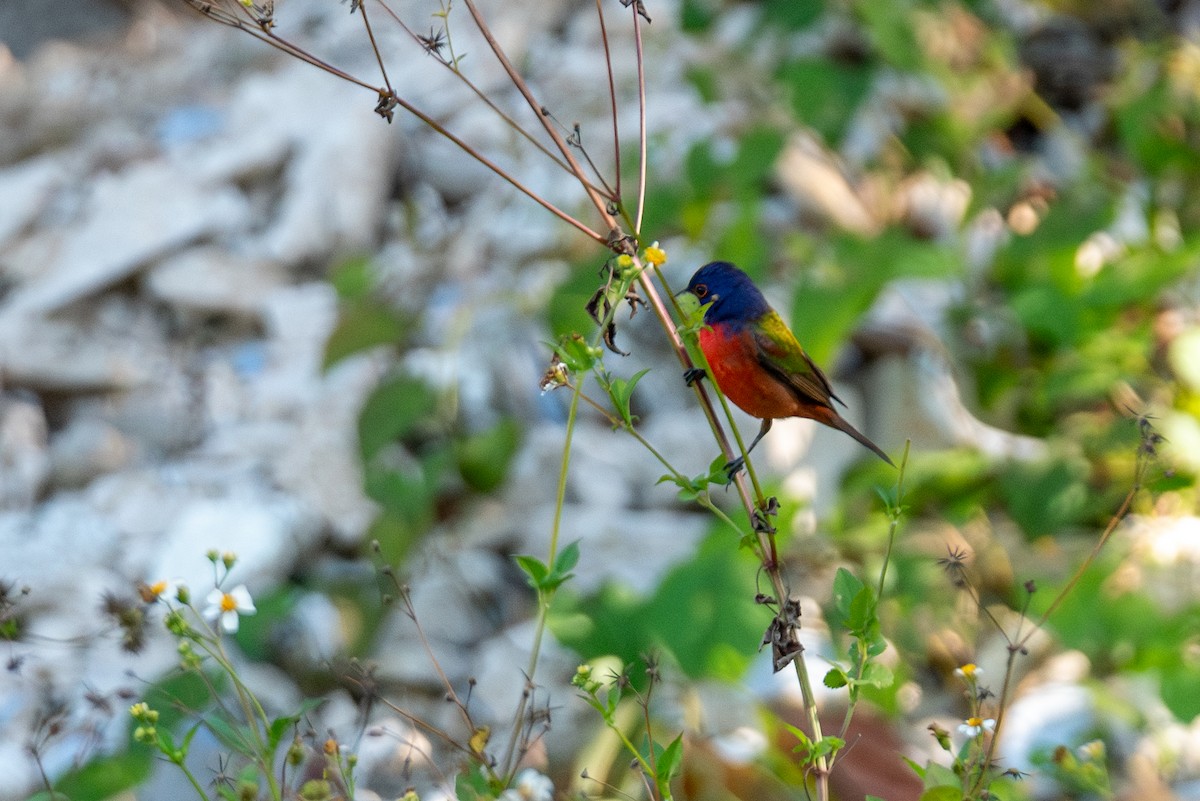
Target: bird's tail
<point>839,422</point>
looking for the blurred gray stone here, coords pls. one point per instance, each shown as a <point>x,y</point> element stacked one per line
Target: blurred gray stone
<point>87,448</point>
<point>25,24</point>
<point>212,279</point>
<point>58,355</point>
<point>57,545</point>
<point>26,188</point>
<point>340,168</point>
<point>321,463</point>
<point>24,459</point>
<point>268,531</point>
<point>127,219</point>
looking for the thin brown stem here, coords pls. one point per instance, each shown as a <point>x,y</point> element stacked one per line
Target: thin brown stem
<point>1117,517</point>
<point>479,93</point>
<point>362,9</point>
<point>507,176</point>
<point>596,197</point>
<point>1001,705</point>
<point>612,97</point>
<point>641,69</point>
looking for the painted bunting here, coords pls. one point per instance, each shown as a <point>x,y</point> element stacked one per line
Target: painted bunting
<point>756,360</point>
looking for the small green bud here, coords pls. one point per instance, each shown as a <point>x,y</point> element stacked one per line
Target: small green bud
<point>316,790</point>
<point>295,752</point>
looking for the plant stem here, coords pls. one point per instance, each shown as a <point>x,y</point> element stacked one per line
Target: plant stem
<point>544,597</point>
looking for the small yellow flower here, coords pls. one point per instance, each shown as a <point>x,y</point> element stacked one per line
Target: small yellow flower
<point>624,261</point>
<point>160,590</point>
<point>968,671</point>
<point>655,255</point>
<point>479,739</point>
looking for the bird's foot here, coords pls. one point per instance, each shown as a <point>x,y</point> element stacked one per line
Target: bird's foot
<point>693,374</point>
<point>732,468</point>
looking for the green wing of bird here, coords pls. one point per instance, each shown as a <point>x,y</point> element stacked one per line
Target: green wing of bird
<point>780,353</point>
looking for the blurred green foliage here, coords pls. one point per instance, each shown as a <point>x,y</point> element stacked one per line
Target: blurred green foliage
<point>1074,345</point>
<point>699,615</point>
<point>418,459</point>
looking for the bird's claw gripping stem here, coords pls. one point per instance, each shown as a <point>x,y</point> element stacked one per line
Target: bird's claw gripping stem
<point>693,374</point>
<point>732,468</point>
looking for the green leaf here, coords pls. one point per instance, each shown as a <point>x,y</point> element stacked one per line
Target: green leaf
<point>711,592</point>
<point>937,776</point>
<point>846,587</point>
<point>534,568</point>
<point>362,325</point>
<point>862,610</point>
<point>829,301</point>
<point>835,678</point>
<point>231,736</point>
<point>484,458</point>
<point>567,558</point>
<point>668,765</point>
<point>103,779</point>
<point>353,279</point>
<point>395,409</point>
<point>878,675</point>
<point>187,738</point>
<point>1044,497</point>
<point>943,793</point>
<point>825,94</point>
<point>692,488</point>
<point>804,743</point>
<point>577,354</point>
<point>622,394</point>
<point>544,579</point>
<point>472,785</point>
<point>827,746</point>
<point>891,28</point>
<point>917,769</point>
<point>280,725</point>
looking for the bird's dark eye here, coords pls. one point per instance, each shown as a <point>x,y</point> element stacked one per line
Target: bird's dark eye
<point>700,290</point>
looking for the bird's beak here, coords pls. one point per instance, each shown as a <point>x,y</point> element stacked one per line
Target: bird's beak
<point>689,304</point>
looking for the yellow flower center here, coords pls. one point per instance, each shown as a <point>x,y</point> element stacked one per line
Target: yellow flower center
<point>158,588</point>
<point>228,604</point>
<point>975,722</point>
<point>968,669</point>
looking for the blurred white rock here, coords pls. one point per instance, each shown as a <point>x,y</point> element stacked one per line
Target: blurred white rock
<point>126,219</point>
<point>268,531</point>
<point>24,458</point>
<point>213,280</point>
<point>340,166</point>
<point>86,448</point>
<point>27,188</point>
